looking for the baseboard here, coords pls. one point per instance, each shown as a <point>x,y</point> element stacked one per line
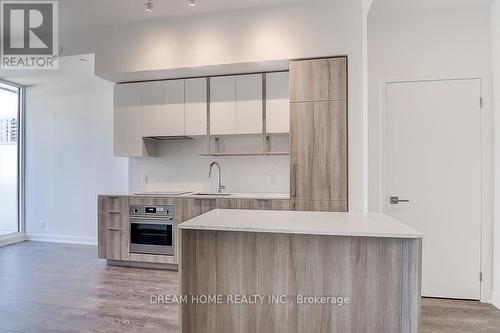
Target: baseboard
<point>495,299</point>
<point>12,239</point>
<point>62,239</point>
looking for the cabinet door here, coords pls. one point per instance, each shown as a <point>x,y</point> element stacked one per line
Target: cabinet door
<point>196,106</point>
<point>318,151</point>
<point>249,104</point>
<point>319,206</point>
<point>277,103</point>
<point>113,228</point>
<point>152,109</point>
<point>318,80</point>
<point>173,100</point>
<point>113,244</point>
<point>255,204</point>
<point>112,204</point>
<point>127,121</point>
<point>222,105</point>
<point>280,204</point>
<point>186,209</point>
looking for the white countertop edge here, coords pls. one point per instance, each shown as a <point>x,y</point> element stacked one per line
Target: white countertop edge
<point>304,223</point>
<point>301,232</point>
<point>258,196</point>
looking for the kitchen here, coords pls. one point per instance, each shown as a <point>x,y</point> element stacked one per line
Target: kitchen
<point>246,155</point>
<point>238,108</point>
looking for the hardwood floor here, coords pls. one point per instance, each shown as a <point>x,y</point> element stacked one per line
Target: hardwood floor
<point>455,316</point>
<point>63,288</point>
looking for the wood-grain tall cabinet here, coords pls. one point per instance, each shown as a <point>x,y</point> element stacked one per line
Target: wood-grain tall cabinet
<point>318,134</point>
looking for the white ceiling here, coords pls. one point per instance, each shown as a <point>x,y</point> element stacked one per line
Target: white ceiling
<point>78,14</point>
<point>382,6</point>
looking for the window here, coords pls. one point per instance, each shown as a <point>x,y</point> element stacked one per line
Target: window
<point>10,148</point>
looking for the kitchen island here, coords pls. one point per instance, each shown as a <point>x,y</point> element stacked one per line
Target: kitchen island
<point>282,271</point>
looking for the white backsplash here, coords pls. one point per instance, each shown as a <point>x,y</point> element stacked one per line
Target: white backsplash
<point>179,166</point>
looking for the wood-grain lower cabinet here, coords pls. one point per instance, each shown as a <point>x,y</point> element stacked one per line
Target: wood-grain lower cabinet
<point>319,206</point>
<point>280,204</point>
<point>188,208</point>
<point>114,224</point>
<point>243,204</point>
<point>113,228</point>
<point>253,204</point>
<point>318,143</point>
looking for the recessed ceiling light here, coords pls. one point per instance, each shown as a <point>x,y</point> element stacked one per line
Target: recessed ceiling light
<point>149,6</point>
<point>191,3</point>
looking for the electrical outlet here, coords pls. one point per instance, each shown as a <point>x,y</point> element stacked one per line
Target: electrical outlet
<point>144,179</point>
<point>42,224</point>
<point>271,180</point>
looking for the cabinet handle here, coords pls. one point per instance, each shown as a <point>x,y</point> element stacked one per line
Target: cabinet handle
<point>113,229</point>
<point>294,179</point>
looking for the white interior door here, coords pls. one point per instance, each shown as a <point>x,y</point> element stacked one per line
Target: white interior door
<point>433,159</point>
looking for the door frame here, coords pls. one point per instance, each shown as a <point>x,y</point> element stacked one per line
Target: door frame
<point>486,259</point>
<point>21,182</point>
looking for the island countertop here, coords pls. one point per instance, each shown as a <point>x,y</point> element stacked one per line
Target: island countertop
<point>309,223</point>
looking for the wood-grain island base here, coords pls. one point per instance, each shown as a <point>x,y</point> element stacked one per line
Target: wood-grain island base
<point>380,278</point>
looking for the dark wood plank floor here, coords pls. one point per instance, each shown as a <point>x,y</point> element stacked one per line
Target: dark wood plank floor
<point>63,288</point>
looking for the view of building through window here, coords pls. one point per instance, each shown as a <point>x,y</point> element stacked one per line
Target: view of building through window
<point>9,175</point>
<point>8,130</point>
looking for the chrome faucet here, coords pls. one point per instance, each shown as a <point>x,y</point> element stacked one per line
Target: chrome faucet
<point>221,187</point>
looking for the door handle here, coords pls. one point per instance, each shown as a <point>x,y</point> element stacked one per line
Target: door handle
<point>397,201</point>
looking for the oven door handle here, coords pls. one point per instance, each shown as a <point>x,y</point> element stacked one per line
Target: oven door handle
<point>158,221</point>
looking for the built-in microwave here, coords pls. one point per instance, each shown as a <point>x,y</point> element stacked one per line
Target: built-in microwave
<point>152,230</point>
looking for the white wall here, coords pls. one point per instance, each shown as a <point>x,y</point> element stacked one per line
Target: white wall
<point>316,29</point>
<point>68,154</point>
<point>439,44</point>
<point>421,45</point>
<point>495,39</point>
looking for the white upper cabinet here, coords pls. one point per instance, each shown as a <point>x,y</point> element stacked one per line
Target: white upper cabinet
<point>173,103</point>
<point>236,104</point>
<point>179,108</point>
<point>195,107</point>
<point>127,121</point>
<point>223,105</point>
<point>277,103</point>
<point>152,109</point>
<point>248,104</point>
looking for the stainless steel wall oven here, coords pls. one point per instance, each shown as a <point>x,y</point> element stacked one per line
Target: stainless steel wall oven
<point>152,230</point>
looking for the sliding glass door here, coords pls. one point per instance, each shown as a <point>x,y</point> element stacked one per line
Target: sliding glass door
<point>10,106</point>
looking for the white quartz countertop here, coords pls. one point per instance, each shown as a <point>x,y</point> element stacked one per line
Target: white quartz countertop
<point>313,223</point>
<point>263,196</point>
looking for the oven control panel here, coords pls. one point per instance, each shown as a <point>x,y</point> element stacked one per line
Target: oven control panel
<point>146,210</point>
